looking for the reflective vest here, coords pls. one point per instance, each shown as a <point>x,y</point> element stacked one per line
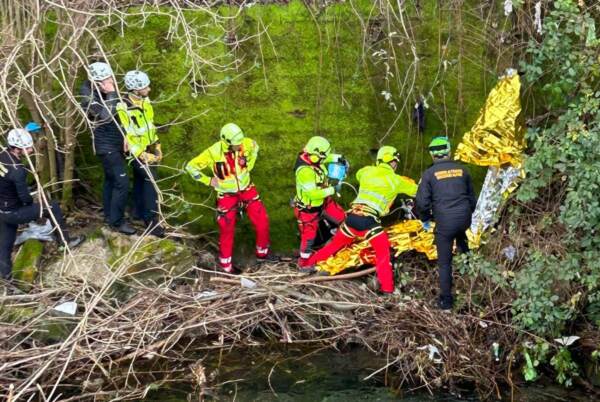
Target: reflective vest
<point>379,186</point>
<point>138,122</point>
<point>312,185</point>
<point>232,169</point>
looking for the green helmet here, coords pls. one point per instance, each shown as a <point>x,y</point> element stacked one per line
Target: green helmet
<point>232,134</point>
<point>439,146</point>
<point>318,146</point>
<point>387,154</point>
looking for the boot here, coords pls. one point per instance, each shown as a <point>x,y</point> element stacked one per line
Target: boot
<point>124,228</point>
<point>272,258</point>
<point>445,303</point>
<point>230,270</point>
<point>76,241</point>
<point>155,229</point>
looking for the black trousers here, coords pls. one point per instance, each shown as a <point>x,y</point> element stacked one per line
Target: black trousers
<point>145,198</point>
<point>116,187</point>
<point>9,223</point>
<point>447,230</point>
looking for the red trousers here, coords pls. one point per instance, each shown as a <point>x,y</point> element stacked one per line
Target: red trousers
<point>308,224</point>
<point>378,240</point>
<point>228,205</point>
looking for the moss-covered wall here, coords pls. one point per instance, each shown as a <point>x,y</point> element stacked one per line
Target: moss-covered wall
<point>311,72</point>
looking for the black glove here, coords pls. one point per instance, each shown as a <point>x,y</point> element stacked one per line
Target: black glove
<point>344,162</point>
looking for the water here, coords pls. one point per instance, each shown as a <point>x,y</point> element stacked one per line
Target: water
<point>290,374</point>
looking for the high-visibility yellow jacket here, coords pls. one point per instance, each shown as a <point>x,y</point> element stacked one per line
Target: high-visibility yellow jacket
<point>137,119</point>
<point>232,169</point>
<point>312,186</point>
<point>379,186</point>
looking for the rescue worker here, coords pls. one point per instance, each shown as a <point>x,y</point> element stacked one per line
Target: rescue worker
<point>378,187</point>
<point>314,202</point>
<point>99,101</point>
<point>136,116</point>
<point>446,196</point>
<point>16,204</point>
<point>230,162</point>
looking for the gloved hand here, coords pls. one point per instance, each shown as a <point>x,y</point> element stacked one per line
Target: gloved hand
<point>344,162</point>
<point>158,152</point>
<point>426,225</point>
<point>147,157</point>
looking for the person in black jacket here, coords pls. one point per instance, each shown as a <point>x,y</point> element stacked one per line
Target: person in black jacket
<point>99,101</point>
<point>16,204</point>
<point>446,196</point>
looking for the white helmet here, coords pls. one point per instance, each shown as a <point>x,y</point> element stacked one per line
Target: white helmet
<point>19,138</point>
<point>136,80</point>
<point>100,71</point>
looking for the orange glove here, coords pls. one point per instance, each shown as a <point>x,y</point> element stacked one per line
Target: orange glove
<point>158,152</point>
<point>147,157</point>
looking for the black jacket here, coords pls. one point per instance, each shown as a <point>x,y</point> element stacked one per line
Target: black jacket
<point>445,190</point>
<point>101,110</point>
<point>14,192</point>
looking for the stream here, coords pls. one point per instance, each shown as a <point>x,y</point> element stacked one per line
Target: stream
<point>326,375</point>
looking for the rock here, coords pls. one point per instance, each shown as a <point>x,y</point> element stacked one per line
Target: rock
<point>27,261</point>
<point>111,257</point>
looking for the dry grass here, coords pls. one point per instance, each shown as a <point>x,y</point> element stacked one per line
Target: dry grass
<point>113,345</point>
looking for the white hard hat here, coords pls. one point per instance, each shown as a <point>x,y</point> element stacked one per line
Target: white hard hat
<point>100,71</point>
<point>19,138</point>
<point>135,80</point>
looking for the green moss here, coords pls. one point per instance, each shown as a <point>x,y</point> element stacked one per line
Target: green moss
<point>16,314</point>
<point>25,267</point>
<point>305,78</point>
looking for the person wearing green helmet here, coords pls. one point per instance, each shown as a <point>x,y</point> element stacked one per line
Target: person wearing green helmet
<point>446,195</point>
<point>378,187</point>
<point>313,204</point>
<point>230,161</point>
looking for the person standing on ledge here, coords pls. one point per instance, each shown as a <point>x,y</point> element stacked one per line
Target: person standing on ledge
<point>136,116</point>
<point>230,162</point>
<point>446,196</point>
<point>99,101</point>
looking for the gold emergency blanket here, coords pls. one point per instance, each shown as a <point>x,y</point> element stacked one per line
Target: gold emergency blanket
<point>493,141</point>
<point>404,236</point>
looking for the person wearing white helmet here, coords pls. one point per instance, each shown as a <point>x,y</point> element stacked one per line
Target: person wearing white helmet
<point>16,204</point>
<point>99,101</point>
<point>136,116</point>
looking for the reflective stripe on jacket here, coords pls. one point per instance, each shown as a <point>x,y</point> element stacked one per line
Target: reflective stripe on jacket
<point>379,186</point>
<point>232,169</point>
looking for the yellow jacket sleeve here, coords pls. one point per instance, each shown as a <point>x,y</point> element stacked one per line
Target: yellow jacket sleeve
<point>251,154</point>
<point>196,166</point>
<point>406,186</point>
<point>306,180</point>
<point>332,158</point>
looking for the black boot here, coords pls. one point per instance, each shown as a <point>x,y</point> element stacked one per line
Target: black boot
<point>445,303</point>
<point>124,228</point>
<point>272,258</point>
<point>76,241</point>
<point>155,229</point>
